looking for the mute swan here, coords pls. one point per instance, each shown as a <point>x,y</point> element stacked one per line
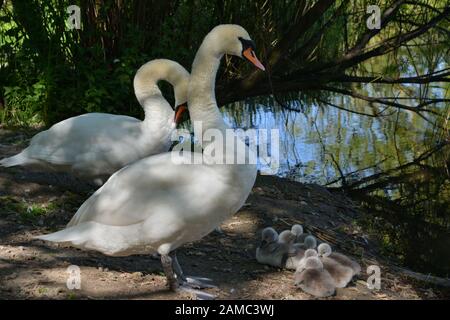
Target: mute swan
<point>271,251</point>
<point>312,278</point>
<point>341,275</point>
<point>301,240</point>
<point>307,254</point>
<point>297,231</point>
<point>95,145</point>
<point>300,237</point>
<point>277,250</point>
<point>159,203</point>
<point>324,249</point>
<point>287,236</point>
<point>310,242</point>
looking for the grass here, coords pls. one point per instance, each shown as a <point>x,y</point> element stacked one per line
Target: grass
<point>71,296</point>
<point>26,212</point>
<point>42,290</point>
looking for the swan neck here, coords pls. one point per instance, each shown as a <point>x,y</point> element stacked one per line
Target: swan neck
<point>202,98</point>
<point>147,91</point>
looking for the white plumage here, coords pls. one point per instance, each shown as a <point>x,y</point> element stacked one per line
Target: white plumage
<point>156,204</point>
<point>95,145</point>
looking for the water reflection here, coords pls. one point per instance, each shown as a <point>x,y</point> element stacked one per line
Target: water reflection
<point>408,200</point>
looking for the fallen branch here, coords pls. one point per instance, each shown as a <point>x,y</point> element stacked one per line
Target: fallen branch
<point>442,282</point>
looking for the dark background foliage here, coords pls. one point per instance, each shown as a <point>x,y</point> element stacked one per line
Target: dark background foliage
<point>311,49</point>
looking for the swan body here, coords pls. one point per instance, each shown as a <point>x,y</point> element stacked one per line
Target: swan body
<point>162,202</point>
<point>95,145</point>
<point>135,211</point>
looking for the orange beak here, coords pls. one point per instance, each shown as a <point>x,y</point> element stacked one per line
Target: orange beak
<point>179,110</point>
<point>250,55</point>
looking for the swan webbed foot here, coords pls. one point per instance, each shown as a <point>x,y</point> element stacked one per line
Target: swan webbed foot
<point>198,282</point>
<point>189,281</point>
<point>199,295</point>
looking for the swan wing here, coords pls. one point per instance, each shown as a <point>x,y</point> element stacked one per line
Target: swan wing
<point>156,188</point>
<point>81,138</point>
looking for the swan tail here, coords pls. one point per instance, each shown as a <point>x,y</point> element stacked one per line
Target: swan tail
<point>74,234</point>
<point>93,236</point>
<point>16,160</point>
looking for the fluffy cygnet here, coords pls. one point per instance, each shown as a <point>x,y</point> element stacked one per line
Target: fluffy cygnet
<point>341,275</point>
<point>324,249</point>
<point>297,230</point>
<point>312,278</point>
<point>271,251</point>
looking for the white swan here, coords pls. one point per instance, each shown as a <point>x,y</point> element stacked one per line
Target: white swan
<point>156,205</point>
<point>95,145</point>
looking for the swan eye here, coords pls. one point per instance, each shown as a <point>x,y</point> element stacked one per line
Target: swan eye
<point>248,47</point>
<point>247,44</point>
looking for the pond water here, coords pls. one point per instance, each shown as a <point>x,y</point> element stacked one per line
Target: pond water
<point>408,202</point>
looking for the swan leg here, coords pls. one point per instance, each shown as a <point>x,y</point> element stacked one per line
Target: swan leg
<point>172,281</point>
<point>190,281</point>
<point>177,281</point>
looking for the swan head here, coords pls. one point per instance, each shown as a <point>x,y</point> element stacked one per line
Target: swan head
<point>297,229</point>
<point>180,78</point>
<point>149,74</point>
<point>180,110</point>
<point>310,242</point>
<point>286,236</point>
<point>234,40</point>
<point>324,249</point>
<point>268,236</point>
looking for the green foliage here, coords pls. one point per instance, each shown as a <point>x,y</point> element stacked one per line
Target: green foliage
<point>25,212</point>
<point>23,104</point>
<point>49,73</point>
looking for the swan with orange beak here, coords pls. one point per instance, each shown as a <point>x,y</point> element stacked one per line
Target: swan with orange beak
<point>135,212</point>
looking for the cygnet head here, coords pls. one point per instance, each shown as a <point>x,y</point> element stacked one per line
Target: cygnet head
<point>268,236</point>
<point>234,40</point>
<point>310,242</point>
<point>310,253</point>
<point>311,263</point>
<point>286,236</point>
<point>324,249</point>
<point>297,229</point>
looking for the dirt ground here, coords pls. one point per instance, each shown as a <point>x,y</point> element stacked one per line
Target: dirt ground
<point>38,203</point>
